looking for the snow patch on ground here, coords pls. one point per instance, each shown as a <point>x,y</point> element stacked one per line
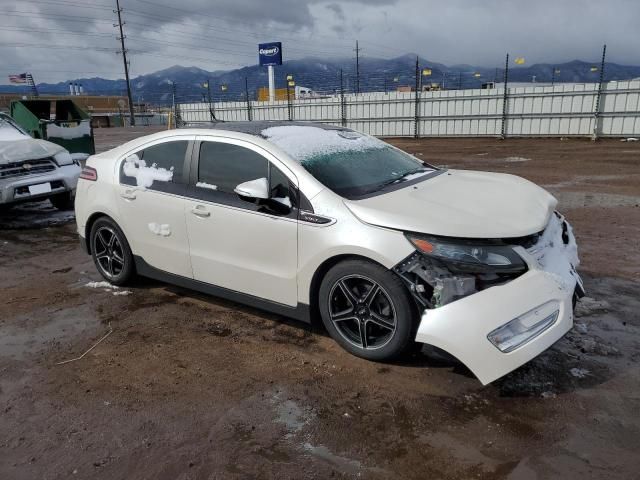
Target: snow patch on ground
<point>144,175</point>
<point>579,372</point>
<point>206,185</point>
<point>164,230</point>
<point>102,284</point>
<point>302,143</point>
<point>630,139</point>
<point>516,159</point>
<point>123,293</point>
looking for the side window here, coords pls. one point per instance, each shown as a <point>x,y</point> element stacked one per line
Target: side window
<point>279,187</point>
<point>159,167</point>
<point>224,166</point>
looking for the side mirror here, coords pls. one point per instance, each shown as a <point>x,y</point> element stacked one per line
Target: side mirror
<point>257,189</point>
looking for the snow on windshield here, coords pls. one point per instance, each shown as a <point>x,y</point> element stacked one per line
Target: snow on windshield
<point>302,143</point>
<point>145,176</point>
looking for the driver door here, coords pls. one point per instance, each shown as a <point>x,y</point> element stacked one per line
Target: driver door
<point>244,245</point>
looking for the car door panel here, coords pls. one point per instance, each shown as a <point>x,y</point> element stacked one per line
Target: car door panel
<point>244,251</point>
<point>241,246</point>
<point>153,220</point>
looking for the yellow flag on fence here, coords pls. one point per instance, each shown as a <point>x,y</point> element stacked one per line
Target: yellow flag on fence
<point>426,72</point>
<point>223,88</point>
<point>594,69</point>
<point>519,61</point>
<point>205,85</point>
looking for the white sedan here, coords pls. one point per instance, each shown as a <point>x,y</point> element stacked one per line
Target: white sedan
<point>314,220</point>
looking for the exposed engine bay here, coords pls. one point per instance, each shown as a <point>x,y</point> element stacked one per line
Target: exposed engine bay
<point>434,282</point>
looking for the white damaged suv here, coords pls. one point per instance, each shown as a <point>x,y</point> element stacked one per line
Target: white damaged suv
<point>34,169</point>
<point>314,220</point>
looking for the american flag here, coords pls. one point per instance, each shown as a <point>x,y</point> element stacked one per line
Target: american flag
<point>21,78</point>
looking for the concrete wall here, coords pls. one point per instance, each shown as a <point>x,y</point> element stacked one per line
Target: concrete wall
<point>560,110</point>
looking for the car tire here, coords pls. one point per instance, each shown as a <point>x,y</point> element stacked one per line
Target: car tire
<point>111,252</point>
<point>361,299</point>
<point>62,201</point>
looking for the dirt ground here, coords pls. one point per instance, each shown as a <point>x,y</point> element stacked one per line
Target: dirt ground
<point>187,386</point>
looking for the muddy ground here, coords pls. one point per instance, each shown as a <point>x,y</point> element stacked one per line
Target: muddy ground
<point>186,386</point>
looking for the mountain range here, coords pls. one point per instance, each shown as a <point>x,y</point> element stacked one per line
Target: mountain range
<point>323,75</point>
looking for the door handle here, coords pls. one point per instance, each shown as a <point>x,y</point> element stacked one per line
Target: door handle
<point>128,195</point>
<point>200,211</point>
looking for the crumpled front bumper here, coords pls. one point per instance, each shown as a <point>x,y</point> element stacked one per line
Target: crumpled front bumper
<point>461,328</point>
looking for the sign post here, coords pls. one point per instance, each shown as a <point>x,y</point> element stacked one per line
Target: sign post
<point>270,54</point>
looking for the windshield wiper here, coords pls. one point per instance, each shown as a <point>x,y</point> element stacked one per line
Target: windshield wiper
<point>393,181</point>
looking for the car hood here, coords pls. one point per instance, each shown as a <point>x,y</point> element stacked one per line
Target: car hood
<point>27,149</point>
<point>459,203</point>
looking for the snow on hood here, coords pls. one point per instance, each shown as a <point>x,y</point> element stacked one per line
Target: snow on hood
<point>463,204</point>
<point>302,142</point>
<point>27,148</point>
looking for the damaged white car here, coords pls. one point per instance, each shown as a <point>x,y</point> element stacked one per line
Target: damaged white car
<point>313,220</point>
<point>33,169</point>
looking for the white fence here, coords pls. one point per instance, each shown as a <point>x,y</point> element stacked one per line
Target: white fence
<point>560,110</point>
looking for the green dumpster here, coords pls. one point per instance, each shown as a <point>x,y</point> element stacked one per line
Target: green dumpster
<point>58,121</point>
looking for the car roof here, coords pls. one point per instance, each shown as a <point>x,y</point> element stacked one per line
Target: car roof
<point>256,128</point>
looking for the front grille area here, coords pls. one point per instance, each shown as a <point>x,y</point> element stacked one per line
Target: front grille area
<point>27,167</point>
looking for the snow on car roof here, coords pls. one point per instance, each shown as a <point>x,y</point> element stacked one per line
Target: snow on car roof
<point>256,128</point>
<point>304,142</point>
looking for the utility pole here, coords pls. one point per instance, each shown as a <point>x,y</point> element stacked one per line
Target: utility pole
<point>123,51</point>
<point>503,133</point>
<point>596,114</point>
<point>357,50</point>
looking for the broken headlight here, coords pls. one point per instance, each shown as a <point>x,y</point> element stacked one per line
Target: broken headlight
<point>469,255</point>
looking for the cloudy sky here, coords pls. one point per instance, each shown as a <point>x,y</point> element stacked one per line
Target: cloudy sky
<point>62,39</point>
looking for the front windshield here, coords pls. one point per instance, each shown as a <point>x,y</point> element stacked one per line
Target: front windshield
<point>351,164</point>
<point>355,173</point>
<point>9,130</point>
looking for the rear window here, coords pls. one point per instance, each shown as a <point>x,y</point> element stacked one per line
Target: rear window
<point>155,166</point>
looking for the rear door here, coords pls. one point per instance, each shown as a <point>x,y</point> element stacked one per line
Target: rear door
<point>152,189</point>
<point>244,246</point>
